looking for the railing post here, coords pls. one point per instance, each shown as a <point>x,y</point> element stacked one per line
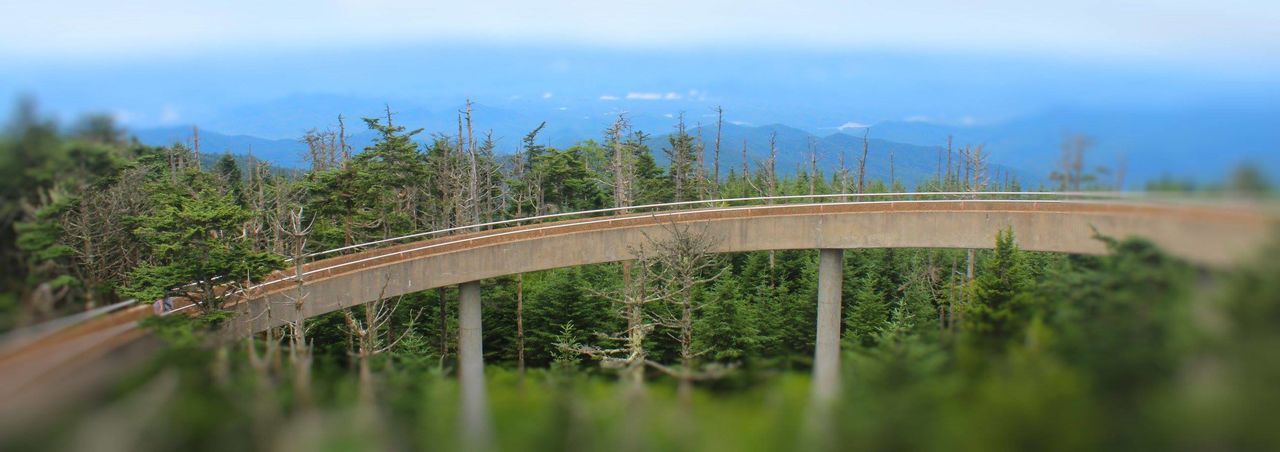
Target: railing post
<point>475,403</point>
<point>826,353</point>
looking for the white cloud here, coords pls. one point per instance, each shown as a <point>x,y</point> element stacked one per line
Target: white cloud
<point>563,108</point>
<point>546,95</point>
<point>608,97</point>
<point>670,95</point>
<point>123,116</point>
<point>740,123</point>
<point>918,118</point>
<point>852,125</point>
<point>169,114</point>
<point>668,115</point>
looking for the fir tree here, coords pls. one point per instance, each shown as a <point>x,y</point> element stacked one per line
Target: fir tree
<point>999,308</point>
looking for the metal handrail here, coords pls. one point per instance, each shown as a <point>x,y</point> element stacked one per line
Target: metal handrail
<point>639,209</point>
<point>629,209</point>
<point>1094,195</point>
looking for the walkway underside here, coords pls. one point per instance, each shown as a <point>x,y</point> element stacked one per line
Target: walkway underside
<point>1206,235</point>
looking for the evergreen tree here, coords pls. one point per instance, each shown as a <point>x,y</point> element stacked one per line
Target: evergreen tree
<point>727,326</point>
<point>561,296</point>
<point>193,235</point>
<point>998,310</point>
<point>682,160</point>
<point>568,183</point>
<point>229,171</point>
<point>868,313</point>
<point>386,178</point>
<point>1122,317</point>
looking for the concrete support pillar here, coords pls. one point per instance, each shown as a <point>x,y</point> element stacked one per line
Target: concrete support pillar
<point>826,353</point>
<point>475,403</point>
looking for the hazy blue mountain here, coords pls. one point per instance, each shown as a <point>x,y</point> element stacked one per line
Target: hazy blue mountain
<point>1205,143</point>
<point>911,164</point>
<point>1202,143</point>
<point>282,152</point>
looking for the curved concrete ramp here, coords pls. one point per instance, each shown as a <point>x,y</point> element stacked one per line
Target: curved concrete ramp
<point>1206,235</point>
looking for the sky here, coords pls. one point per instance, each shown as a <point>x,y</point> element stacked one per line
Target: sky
<point>1237,32</point>
<point>272,67</point>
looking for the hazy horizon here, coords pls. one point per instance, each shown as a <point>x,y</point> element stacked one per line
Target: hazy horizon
<point>1182,81</point>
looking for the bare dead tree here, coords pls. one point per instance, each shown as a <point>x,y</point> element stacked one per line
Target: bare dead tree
<point>1070,174</point>
<point>746,171</point>
<point>678,154</point>
<point>947,183</point>
<point>322,148</point>
<point>862,162</point>
<point>978,179</point>
<point>297,229</point>
<point>370,335</point>
<point>195,140</point>
<point>342,142</point>
<point>667,271</point>
<point>842,177</point>
<point>629,357</point>
<point>938,177</point>
<point>684,260</point>
<point>622,165</point>
<point>700,167</point>
<point>473,187</point>
<point>715,159</point>
<point>771,173</point>
<point>975,181</point>
<point>813,168</point>
<point>98,234</point>
<point>893,178</point>
<point>262,361</point>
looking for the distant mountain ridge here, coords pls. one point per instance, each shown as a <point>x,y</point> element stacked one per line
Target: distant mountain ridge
<point>1202,143</point>
<point>281,152</point>
<point>911,164</point>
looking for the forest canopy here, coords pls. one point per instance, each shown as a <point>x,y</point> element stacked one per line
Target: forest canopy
<point>999,348</point>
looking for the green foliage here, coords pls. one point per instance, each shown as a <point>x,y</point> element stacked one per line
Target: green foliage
<point>1122,317</point>
<point>566,296</point>
<point>567,183</point>
<point>868,315</point>
<point>998,310</point>
<point>727,327</point>
<point>1074,352</point>
<point>565,358</point>
<point>229,171</point>
<point>193,235</point>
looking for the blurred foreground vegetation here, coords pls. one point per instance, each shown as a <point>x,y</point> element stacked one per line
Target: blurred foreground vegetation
<point>1128,351</point>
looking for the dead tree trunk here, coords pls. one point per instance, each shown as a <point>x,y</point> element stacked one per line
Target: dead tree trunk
<point>862,162</point>
<point>715,158</point>
<point>195,144</point>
